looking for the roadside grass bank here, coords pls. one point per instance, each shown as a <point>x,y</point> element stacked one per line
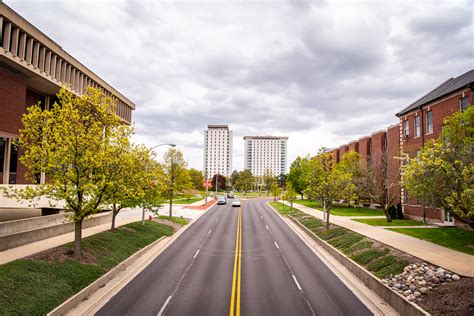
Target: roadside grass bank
<point>450,237</point>
<point>37,284</point>
<point>374,256</point>
<point>383,222</point>
<point>177,220</point>
<point>342,210</point>
<point>392,265</point>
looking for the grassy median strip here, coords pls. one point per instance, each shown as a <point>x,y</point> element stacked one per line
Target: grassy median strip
<point>450,237</point>
<point>372,255</point>
<point>343,210</point>
<point>383,222</point>
<point>37,285</point>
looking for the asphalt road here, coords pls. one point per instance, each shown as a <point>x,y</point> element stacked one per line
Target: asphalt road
<point>236,261</point>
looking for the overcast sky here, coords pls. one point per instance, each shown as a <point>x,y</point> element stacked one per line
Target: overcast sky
<point>321,72</point>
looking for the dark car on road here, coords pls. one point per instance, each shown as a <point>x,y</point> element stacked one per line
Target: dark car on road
<point>230,195</point>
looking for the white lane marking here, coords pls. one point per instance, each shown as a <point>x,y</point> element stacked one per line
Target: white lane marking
<point>276,245</point>
<point>210,231</point>
<point>266,226</point>
<point>164,305</point>
<point>195,255</point>
<point>297,284</point>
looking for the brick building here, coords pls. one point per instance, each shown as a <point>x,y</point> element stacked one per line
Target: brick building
<point>33,68</point>
<point>419,122</point>
<point>422,121</point>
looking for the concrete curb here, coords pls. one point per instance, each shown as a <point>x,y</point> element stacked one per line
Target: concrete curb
<point>398,302</point>
<point>100,282</point>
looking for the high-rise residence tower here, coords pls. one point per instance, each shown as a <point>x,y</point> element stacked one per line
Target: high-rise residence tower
<point>263,153</point>
<point>217,151</point>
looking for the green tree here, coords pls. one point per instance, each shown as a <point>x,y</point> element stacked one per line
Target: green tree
<point>328,181</point>
<point>296,175</point>
<point>78,144</point>
<point>233,178</point>
<point>268,180</point>
<point>176,177</point>
<point>290,195</point>
<point>196,178</point>
<point>281,181</point>
<point>245,181</point>
<point>443,173</point>
<point>128,189</point>
<point>276,191</point>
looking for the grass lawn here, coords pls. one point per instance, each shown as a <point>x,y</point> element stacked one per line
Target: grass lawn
<point>343,210</point>
<point>383,222</point>
<point>183,200</point>
<point>174,219</point>
<point>450,237</point>
<point>36,286</point>
<point>284,209</point>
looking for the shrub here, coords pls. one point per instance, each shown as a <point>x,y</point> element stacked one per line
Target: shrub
<point>392,210</point>
<point>381,263</point>
<point>393,269</point>
<point>363,244</point>
<point>369,255</point>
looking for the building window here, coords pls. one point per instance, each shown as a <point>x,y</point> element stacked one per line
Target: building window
<point>464,103</point>
<point>429,122</point>
<point>406,132</point>
<point>417,127</point>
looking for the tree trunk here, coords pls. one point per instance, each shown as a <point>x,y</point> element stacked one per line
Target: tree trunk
<point>327,218</point>
<point>387,213</point>
<point>78,239</point>
<point>171,207</point>
<point>114,214</point>
<point>301,196</point>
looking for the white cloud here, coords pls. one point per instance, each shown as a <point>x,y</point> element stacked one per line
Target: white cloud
<point>321,72</point>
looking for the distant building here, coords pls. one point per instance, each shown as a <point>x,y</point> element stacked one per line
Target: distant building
<point>265,153</point>
<point>33,68</point>
<point>217,151</point>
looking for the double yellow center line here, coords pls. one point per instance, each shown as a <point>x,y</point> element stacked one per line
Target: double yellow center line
<point>236,279</point>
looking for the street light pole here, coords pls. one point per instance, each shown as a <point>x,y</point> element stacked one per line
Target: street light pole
<point>151,149</point>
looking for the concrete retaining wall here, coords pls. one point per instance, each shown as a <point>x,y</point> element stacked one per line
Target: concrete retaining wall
<point>21,225</point>
<point>35,234</point>
<point>398,302</point>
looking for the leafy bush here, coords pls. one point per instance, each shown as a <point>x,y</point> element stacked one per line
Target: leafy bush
<point>369,255</point>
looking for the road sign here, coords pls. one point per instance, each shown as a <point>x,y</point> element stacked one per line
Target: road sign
<point>207,184</point>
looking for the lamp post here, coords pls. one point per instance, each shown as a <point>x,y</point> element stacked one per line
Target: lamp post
<point>151,149</point>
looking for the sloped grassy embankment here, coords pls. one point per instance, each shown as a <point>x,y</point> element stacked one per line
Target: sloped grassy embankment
<point>375,257</point>
<point>36,285</point>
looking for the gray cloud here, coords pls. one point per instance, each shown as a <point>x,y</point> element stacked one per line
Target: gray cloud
<point>324,72</point>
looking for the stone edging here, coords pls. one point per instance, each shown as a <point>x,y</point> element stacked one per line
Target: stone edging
<point>398,302</point>
<point>100,282</point>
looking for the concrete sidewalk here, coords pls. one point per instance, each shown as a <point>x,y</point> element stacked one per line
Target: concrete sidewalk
<point>124,217</point>
<point>455,261</point>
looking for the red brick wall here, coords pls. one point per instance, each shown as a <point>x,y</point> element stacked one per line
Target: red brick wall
<point>393,164</point>
<point>364,147</point>
<point>354,146</point>
<point>335,155</point>
<point>378,147</point>
<point>342,150</point>
<point>416,212</point>
<point>12,101</point>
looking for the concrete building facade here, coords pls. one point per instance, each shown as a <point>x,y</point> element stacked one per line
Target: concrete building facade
<point>33,68</point>
<point>263,153</point>
<point>218,150</point>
